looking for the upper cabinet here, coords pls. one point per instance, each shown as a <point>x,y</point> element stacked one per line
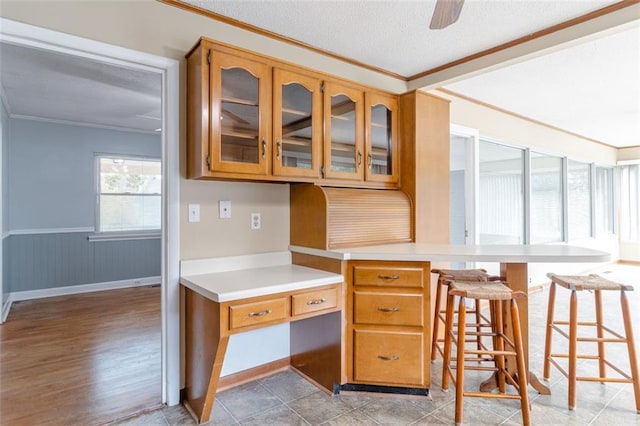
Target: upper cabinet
<point>344,132</point>
<point>240,114</point>
<point>381,138</point>
<point>297,124</point>
<point>252,117</point>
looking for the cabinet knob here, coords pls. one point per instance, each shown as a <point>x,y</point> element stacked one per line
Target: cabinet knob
<point>359,158</point>
<point>278,149</point>
<point>392,309</point>
<point>260,314</point>
<point>389,358</point>
<point>316,301</point>
<point>369,160</point>
<point>388,277</point>
<point>264,148</point>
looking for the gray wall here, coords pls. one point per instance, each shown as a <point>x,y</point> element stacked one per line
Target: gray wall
<point>4,140</point>
<point>52,171</point>
<point>51,187</point>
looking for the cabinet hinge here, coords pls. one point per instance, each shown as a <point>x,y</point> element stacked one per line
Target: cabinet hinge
<point>322,87</point>
<point>209,57</point>
<point>208,161</point>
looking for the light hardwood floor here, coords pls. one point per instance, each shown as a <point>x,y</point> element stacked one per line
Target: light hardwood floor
<point>84,359</point>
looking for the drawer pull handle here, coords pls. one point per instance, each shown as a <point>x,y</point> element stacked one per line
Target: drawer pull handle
<point>260,314</point>
<point>389,277</point>
<point>393,309</point>
<point>316,301</point>
<point>389,358</point>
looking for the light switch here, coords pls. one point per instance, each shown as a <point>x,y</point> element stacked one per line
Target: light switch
<point>194,212</point>
<point>224,208</point>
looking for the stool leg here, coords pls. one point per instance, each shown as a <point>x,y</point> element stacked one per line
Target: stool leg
<point>478,327</point>
<point>462,313</point>
<point>573,348</point>
<point>446,356</point>
<point>499,359</point>
<point>600,333</point>
<point>436,320</point>
<point>548,336</point>
<point>522,369</point>
<point>631,347</point>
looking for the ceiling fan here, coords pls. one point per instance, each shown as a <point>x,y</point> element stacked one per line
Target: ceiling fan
<point>445,13</point>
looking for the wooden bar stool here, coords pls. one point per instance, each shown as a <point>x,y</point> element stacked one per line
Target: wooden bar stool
<point>496,293</point>
<point>596,284</point>
<point>444,276</point>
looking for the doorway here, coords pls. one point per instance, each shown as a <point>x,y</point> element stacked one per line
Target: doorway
<point>26,35</point>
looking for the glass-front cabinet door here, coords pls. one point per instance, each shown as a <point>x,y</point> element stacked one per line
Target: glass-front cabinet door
<point>381,138</point>
<point>297,124</point>
<point>240,114</point>
<point>344,129</point>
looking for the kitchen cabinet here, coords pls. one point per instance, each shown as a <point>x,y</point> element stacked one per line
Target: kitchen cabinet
<point>297,124</point>
<point>388,323</point>
<point>240,114</point>
<point>381,137</point>
<point>344,132</point>
<point>250,117</point>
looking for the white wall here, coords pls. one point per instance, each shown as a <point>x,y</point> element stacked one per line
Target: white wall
<point>53,171</point>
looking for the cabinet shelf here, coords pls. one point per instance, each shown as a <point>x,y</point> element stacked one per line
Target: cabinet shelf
<point>239,101</point>
<point>240,135</point>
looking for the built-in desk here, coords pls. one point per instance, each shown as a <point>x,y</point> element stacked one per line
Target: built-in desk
<point>239,295</point>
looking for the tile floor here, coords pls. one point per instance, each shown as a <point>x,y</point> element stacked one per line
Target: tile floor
<point>287,399</point>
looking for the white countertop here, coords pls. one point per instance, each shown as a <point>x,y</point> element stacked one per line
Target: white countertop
<point>507,253</point>
<point>240,284</point>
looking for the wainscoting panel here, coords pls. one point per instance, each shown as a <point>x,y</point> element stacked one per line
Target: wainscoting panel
<point>39,261</point>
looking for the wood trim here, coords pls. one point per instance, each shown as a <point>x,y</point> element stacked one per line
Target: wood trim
<point>523,117</point>
<point>538,34</point>
<point>248,27</point>
<point>244,376</point>
<point>629,262</point>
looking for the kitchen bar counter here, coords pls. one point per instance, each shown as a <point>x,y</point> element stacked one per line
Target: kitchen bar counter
<point>513,259</point>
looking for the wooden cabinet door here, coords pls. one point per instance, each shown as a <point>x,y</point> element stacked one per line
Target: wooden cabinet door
<point>344,132</point>
<point>381,137</point>
<point>240,114</point>
<point>297,125</point>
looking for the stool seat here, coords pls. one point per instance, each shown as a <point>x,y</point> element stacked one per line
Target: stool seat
<point>463,274</point>
<point>587,282</point>
<point>493,290</point>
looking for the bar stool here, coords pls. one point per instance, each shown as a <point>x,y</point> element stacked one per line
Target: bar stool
<point>496,293</point>
<point>444,276</point>
<point>596,284</point>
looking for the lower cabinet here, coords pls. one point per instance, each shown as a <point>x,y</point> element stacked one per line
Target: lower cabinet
<point>388,323</point>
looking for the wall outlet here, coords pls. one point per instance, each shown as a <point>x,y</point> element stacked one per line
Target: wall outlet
<point>256,221</point>
<point>224,209</point>
<point>194,212</point>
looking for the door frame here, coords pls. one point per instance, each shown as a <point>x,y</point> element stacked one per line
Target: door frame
<point>31,36</point>
<point>472,178</point>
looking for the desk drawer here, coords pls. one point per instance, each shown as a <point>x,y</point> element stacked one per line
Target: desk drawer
<point>387,308</point>
<point>394,358</point>
<point>313,301</point>
<point>247,314</point>
<point>387,277</point>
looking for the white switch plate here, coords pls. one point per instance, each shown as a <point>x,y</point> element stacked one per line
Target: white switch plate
<point>194,212</point>
<point>224,208</point>
<point>256,221</point>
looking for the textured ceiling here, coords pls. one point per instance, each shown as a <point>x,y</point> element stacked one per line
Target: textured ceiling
<point>395,35</point>
<point>53,86</point>
<point>592,89</point>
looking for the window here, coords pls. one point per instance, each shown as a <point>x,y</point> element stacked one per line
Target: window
<point>501,195</point>
<point>630,203</point>
<point>546,198</point>
<point>579,199</point>
<point>129,194</point>
<point>604,200</point>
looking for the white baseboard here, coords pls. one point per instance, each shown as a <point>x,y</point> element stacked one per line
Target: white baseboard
<point>83,288</point>
<point>5,309</point>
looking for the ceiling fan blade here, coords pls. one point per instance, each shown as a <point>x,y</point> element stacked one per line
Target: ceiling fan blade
<point>446,13</point>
